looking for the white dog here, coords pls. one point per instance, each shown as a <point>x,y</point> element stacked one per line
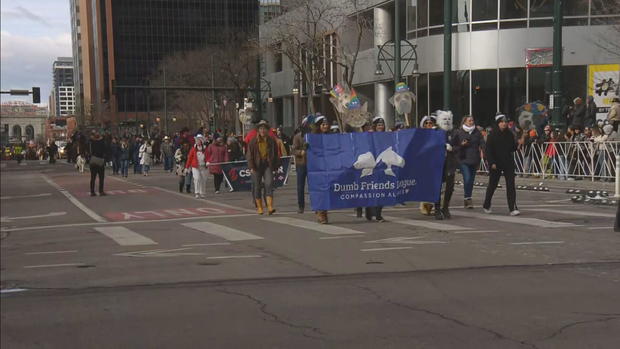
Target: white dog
<point>80,162</point>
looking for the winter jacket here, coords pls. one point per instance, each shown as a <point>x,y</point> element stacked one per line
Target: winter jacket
<point>167,149</point>
<point>146,154</point>
<point>234,151</point>
<point>299,147</point>
<point>254,160</point>
<point>500,148</point>
<point>468,154</point>
<point>579,115</point>
<point>614,112</point>
<point>123,152</point>
<point>192,157</point>
<point>590,114</point>
<point>216,153</point>
<point>451,158</point>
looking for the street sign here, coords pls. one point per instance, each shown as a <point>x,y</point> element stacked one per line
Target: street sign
<point>19,92</point>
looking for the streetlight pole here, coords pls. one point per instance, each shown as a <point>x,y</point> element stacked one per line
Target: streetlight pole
<point>165,102</point>
<point>556,113</point>
<point>397,58</point>
<point>447,54</point>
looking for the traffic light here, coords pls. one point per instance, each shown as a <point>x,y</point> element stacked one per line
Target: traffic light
<point>36,95</point>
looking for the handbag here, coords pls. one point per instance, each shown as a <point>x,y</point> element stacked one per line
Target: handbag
<point>95,160</point>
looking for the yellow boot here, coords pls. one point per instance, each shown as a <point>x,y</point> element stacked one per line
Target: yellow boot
<point>259,206</point>
<point>270,208</point>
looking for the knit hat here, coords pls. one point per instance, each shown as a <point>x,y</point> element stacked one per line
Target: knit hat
<point>319,119</point>
<point>500,117</point>
<point>378,119</point>
<point>427,118</point>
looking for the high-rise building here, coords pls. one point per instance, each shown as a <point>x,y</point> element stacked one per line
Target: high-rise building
<point>63,91</point>
<point>122,43</point>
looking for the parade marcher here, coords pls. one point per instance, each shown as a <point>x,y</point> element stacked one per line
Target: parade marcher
<point>52,150</point>
<point>263,161</point>
<point>217,153</point>
<point>115,152</point>
<point>499,152</point>
<point>97,162</point>
<point>467,145</point>
<point>442,207</point>
<point>123,157</point>
<point>322,127</point>
<point>299,151</point>
<point>197,161</point>
<point>146,157</point>
<point>235,152</point>
<point>167,151</point>
<point>180,157</point>
<point>378,125</point>
<point>135,155</point>
<point>428,122</point>
<point>286,142</point>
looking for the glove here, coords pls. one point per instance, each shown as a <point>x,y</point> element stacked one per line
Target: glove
<point>448,147</point>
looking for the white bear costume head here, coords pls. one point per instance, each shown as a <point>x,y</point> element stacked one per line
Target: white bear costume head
<point>444,120</point>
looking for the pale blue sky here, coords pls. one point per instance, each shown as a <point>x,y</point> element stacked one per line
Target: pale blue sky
<point>34,33</point>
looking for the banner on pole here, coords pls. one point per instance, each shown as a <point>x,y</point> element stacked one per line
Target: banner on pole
<point>603,85</point>
<point>239,177</point>
<point>375,169</point>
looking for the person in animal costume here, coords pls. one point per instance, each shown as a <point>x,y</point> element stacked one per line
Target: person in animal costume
<point>442,211</point>
<point>428,122</point>
<point>402,100</point>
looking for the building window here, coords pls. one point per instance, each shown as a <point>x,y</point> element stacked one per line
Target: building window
<point>541,8</point>
<point>575,81</point>
<point>435,12</point>
<point>536,84</point>
<point>460,94</point>
<point>484,10</point>
<point>605,7</point>
<point>422,13</point>
<point>512,90</point>
<point>435,90</point>
<point>277,57</point>
<point>484,96</point>
<point>575,8</point>
<point>422,96</point>
<point>511,9</point>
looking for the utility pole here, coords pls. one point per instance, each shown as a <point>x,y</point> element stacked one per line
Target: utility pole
<point>447,54</point>
<point>165,102</point>
<point>556,80</point>
<point>397,57</point>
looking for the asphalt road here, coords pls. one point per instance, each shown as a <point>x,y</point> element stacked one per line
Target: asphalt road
<point>147,266</point>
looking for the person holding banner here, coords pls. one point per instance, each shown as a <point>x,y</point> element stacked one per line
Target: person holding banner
<point>299,151</point>
<point>428,122</point>
<point>378,125</point>
<point>322,127</point>
<point>217,153</point>
<point>196,161</point>
<point>263,161</point>
<point>499,151</point>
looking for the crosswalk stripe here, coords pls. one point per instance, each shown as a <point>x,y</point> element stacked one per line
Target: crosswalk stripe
<point>575,214</point>
<point>322,228</point>
<point>221,231</point>
<point>426,224</point>
<point>541,223</point>
<point>124,236</point>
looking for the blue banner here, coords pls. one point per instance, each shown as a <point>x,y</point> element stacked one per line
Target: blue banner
<point>239,177</point>
<point>375,169</point>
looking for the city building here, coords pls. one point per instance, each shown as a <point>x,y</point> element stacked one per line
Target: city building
<point>22,122</point>
<point>63,91</point>
<point>120,45</point>
<point>501,51</point>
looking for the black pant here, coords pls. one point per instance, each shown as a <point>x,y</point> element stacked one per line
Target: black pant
<point>218,178</point>
<point>448,190</point>
<point>511,193</point>
<point>94,172</point>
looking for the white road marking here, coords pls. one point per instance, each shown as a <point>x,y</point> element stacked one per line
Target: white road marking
<point>597,228</point>
<point>160,253</point>
<point>322,228</point>
<point>476,231</point>
<point>426,224</point>
<point>221,231</point>
<point>537,243</point>
<point>72,225</point>
<point>54,265</point>
<point>51,214</point>
<point>404,240</point>
<point>13,290</point>
<point>576,213</point>
<point>339,237</point>
<point>25,196</point>
<point>541,223</point>
<point>124,236</point>
<point>75,201</point>
<point>231,257</point>
<point>385,249</point>
<point>213,244</point>
<point>50,252</point>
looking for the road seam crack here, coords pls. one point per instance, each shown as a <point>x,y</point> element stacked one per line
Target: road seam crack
<point>274,317</point>
<point>578,323</point>
<point>444,317</point>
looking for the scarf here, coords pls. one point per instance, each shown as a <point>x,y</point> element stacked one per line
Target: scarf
<point>469,129</point>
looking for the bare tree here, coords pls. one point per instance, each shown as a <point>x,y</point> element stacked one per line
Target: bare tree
<point>231,67</point>
<point>610,43</point>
